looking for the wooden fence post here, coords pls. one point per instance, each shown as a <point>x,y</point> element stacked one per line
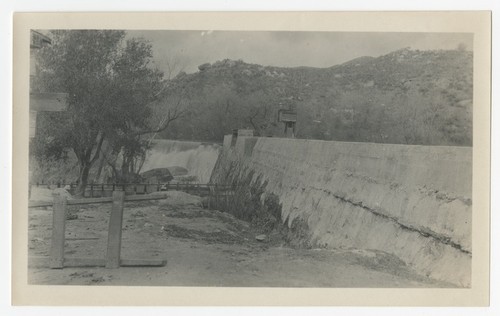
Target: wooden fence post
<point>115,230</point>
<point>58,230</point>
<point>209,197</point>
<point>216,197</point>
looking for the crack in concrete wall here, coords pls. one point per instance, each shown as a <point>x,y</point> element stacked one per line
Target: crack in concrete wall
<point>428,234</point>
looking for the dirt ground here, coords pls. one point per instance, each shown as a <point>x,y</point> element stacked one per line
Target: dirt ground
<point>202,248</point>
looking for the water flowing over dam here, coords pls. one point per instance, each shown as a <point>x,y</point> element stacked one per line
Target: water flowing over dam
<point>198,158</point>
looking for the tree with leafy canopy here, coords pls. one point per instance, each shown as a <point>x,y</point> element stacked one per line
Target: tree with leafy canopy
<point>111,82</point>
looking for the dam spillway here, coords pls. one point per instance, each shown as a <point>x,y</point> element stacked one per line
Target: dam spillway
<point>198,158</point>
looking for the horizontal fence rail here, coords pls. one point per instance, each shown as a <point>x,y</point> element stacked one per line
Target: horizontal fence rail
<point>106,190</point>
<point>130,198</point>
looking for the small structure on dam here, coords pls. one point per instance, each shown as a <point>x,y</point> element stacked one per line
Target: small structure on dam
<point>289,119</point>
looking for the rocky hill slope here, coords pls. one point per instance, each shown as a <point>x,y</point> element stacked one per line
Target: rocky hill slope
<point>407,96</point>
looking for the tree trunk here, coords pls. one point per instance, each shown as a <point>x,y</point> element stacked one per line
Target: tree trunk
<point>101,165</point>
<point>142,159</point>
<point>124,170</point>
<point>83,179</point>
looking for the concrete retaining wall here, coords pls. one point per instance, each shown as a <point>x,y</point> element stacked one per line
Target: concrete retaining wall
<point>410,201</point>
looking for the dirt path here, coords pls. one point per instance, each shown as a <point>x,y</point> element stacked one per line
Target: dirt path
<point>203,248</point>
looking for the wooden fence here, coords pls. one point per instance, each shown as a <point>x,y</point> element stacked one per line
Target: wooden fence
<point>112,258</point>
<point>218,197</point>
<point>106,190</point>
<point>99,200</point>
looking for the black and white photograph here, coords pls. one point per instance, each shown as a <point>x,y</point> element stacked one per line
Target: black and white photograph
<point>225,158</point>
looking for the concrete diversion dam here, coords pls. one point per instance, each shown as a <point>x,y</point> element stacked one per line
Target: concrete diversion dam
<point>414,202</point>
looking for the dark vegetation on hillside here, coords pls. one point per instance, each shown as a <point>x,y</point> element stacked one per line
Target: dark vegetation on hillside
<point>405,97</point>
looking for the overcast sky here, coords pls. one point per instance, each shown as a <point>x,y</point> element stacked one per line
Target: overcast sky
<point>188,49</point>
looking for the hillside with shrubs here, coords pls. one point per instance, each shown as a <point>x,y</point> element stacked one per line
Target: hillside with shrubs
<point>404,97</point>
